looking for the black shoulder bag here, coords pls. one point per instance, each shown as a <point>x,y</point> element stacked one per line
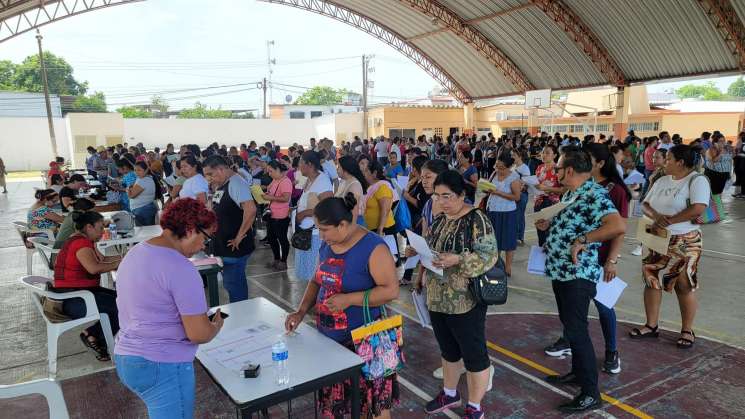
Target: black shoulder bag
<point>491,287</point>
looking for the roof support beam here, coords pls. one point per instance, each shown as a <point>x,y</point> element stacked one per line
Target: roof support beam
<point>585,39</point>
<point>728,23</point>
<point>385,34</point>
<point>474,21</point>
<point>474,38</point>
<point>43,13</point>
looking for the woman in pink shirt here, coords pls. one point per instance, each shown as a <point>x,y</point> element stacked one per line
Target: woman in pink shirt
<point>649,150</point>
<point>278,194</point>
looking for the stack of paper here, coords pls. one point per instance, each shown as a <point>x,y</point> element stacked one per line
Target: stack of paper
<point>537,261</point>
<point>485,185</point>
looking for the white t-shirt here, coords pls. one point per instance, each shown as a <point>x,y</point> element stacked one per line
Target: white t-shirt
<point>320,185</point>
<point>397,150</point>
<point>146,196</point>
<point>381,149</point>
<point>194,185</point>
<point>668,197</point>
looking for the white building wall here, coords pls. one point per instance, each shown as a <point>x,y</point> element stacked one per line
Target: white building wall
<point>25,144</point>
<point>159,132</point>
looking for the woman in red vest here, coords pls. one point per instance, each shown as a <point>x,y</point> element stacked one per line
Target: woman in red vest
<point>79,267</point>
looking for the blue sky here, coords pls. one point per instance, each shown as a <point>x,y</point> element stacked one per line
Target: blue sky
<point>133,51</point>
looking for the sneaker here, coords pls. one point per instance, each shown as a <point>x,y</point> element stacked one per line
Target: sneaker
<point>472,413</point>
<point>637,250</point>
<point>612,364</point>
<point>559,348</point>
<point>442,402</point>
<point>582,403</point>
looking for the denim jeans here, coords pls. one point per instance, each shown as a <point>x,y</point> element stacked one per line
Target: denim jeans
<point>106,303</point>
<point>521,205</point>
<point>167,388</point>
<point>234,278</point>
<point>145,216</point>
<point>573,300</point>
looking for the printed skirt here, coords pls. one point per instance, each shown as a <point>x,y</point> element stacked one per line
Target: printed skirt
<point>662,272</point>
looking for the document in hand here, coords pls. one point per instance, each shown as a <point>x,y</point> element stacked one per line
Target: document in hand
<point>608,293</point>
<point>485,185</point>
<point>634,178</point>
<point>411,262</point>
<point>530,180</point>
<point>258,194</point>
<point>390,240</point>
<point>651,237</point>
<point>537,261</point>
<point>401,183</point>
<point>422,248</point>
<point>545,214</point>
<point>420,304</point>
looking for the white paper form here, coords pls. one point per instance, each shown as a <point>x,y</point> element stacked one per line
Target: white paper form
<point>608,293</point>
<point>401,183</point>
<point>420,304</point>
<point>537,261</point>
<point>545,214</point>
<point>390,240</point>
<point>249,344</point>
<point>411,262</point>
<point>422,248</point>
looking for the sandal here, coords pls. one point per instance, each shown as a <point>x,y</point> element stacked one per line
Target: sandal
<point>102,354</point>
<point>684,343</point>
<point>637,333</point>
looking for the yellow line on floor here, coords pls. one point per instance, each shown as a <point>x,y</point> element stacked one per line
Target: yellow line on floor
<point>548,371</point>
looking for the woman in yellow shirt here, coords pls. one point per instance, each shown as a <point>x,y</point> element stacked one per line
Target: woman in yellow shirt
<point>378,200</point>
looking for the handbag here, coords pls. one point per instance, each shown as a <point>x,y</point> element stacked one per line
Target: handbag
<point>379,343</point>
<point>491,287</point>
<point>302,238</point>
<point>713,213</point>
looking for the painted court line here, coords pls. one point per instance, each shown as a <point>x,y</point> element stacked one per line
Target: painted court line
<point>406,383</point>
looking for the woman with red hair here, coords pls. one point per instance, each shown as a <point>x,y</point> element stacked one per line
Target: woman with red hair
<point>163,311</point>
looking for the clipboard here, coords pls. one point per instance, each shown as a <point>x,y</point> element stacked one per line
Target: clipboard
<point>545,214</point>
<point>653,238</point>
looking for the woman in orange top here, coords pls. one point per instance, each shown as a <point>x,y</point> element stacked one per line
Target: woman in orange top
<point>79,266</point>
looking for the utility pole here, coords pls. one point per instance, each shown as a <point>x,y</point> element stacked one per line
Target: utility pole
<point>364,97</point>
<point>263,86</point>
<point>43,69</point>
<point>270,62</point>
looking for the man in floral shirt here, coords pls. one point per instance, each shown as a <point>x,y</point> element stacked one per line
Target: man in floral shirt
<point>574,237</point>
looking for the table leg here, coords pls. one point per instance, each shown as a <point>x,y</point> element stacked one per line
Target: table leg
<point>212,291</point>
<point>356,395</point>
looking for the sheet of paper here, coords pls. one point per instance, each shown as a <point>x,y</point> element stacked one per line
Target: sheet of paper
<point>634,178</point>
<point>644,233</point>
<point>608,293</point>
<point>420,304</point>
<point>390,240</point>
<point>411,262</point>
<point>537,261</point>
<point>258,194</point>
<point>249,344</point>
<point>530,180</point>
<point>545,214</point>
<point>402,182</point>
<point>425,253</point>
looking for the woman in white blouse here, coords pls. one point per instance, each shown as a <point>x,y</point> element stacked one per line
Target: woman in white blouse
<point>502,207</point>
<point>196,185</point>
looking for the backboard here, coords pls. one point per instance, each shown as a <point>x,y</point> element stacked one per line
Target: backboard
<point>538,99</point>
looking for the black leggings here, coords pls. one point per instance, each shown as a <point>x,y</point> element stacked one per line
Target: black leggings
<point>277,237</point>
<point>106,303</point>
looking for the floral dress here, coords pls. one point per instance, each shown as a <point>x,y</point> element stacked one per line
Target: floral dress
<point>38,222</point>
<point>449,293</point>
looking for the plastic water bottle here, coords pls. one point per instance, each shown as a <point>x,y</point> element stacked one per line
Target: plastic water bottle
<point>112,231</point>
<point>279,357</point>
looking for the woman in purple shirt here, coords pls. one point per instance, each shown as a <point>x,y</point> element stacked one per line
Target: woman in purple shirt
<point>163,312</point>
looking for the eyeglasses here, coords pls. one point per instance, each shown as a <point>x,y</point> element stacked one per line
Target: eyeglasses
<point>443,197</point>
<point>208,238</point>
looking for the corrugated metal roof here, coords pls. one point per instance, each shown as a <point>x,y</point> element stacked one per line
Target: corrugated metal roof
<point>475,9</point>
<point>544,52</point>
<point>477,75</point>
<point>656,39</point>
<point>392,13</point>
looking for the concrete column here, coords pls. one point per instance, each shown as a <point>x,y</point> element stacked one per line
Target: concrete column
<point>468,113</point>
<point>623,104</point>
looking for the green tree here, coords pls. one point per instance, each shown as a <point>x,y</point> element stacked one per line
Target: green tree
<point>91,103</point>
<point>737,88</point>
<point>159,103</point>
<point>7,71</point>
<point>134,112</point>
<point>201,111</point>
<point>707,91</point>
<point>27,76</point>
<point>322,95</point>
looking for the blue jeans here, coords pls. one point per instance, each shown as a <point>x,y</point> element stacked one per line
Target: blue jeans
<point>234,278</point>
<point>145,216</point>
<point>521,205</point>
<point>167,388</point>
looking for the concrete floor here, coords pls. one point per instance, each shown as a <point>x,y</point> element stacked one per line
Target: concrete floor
<point>519,360</point>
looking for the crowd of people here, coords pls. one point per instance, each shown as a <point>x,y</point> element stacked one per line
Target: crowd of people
<point>343,208</point>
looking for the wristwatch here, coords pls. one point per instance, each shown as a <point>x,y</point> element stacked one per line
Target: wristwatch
<point>613,261</point>
<point>582,239</point>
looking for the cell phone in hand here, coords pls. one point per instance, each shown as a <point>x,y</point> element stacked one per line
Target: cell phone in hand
<point>222,314</point>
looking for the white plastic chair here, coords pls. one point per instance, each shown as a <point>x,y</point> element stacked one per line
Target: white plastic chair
<point>50,389</point>
<point>37,285</point>
<point>44,247</point>
<point>23,231</point>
